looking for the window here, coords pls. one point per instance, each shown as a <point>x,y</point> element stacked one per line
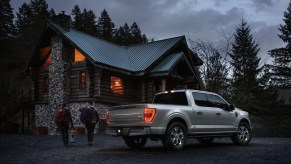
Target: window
<point>116,85</point>
<point>176,98</point>
<point>83,80</point>
<point>78,56</point>
<point>216,101</point>
<point>45,85</point>
<point>200,99</point>
<point>44,55</point>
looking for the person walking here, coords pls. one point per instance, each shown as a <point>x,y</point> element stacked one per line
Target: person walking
<point>63,119</point>
<point>89,116</point>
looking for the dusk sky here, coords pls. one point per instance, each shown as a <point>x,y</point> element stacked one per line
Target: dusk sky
<point>196,19</point>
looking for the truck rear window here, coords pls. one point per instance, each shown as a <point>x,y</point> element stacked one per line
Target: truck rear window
<point>176,98</point>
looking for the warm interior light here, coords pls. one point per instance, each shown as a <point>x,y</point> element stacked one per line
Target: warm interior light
<point>82,80</point>
<point>44,55</point>
<point>116,85</point>
<point>149,114</point>
<point>78,57</point>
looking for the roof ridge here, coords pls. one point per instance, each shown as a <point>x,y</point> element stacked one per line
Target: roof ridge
<point>133,45</point>
<point>92,36</point>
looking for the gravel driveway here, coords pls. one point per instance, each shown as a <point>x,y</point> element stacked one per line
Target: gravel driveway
<point>107,149</point>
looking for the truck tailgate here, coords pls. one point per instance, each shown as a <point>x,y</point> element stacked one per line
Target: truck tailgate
<point>126,116</point>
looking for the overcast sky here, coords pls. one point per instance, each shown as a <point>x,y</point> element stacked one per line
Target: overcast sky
<point>196,19</point>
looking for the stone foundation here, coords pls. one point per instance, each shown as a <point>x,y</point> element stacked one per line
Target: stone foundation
<point>43,116</point>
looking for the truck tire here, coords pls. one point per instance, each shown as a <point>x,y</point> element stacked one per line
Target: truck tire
<point>135,142</point>
<point>176,136</point>
<point>243,135</point>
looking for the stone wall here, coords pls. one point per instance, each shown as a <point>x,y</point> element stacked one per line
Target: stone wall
<point>59,79</point>
<point>43,116</point>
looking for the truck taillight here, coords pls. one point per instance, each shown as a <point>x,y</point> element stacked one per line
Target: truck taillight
<point>149,114</point>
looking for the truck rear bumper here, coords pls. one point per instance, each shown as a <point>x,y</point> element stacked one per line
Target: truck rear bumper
<point>128,131</point>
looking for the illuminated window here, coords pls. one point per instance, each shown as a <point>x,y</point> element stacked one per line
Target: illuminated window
<point>44,56</point>
<point>45,85</point>
<point>82,80</point>
<point>116,85</point>
<point>78,57</point>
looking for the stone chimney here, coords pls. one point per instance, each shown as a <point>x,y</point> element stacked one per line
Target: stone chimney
<point>63,20</point>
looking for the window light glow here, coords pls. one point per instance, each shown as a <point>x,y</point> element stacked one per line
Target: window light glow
<point>116,85</point>
<point>78,57</point>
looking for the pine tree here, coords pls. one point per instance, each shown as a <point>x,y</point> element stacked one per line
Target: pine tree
<point>122,36</point>
<point>77,20</point>
<point>281,67</point>
<point>30,21</point>
<point>136,34</point>
<point>245,64</point>
<point>7,27</point>
<point>106,27</point>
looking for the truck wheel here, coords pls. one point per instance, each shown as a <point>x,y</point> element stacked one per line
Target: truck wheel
<point>135,142</point>
<point>205,140</point>
<point>243,135</point>
<point>176,136</point>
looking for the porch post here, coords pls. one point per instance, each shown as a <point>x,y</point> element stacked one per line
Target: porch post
<point>164,83</point>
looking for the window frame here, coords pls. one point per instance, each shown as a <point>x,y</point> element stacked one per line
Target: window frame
<point>81,81</point>
<point>112,90</point>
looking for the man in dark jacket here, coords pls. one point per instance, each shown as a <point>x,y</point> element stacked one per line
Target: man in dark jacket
<point>93,118</point>
<point>63,123</point>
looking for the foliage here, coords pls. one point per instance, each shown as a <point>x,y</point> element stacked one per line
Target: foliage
<point>128,36</point>
<point>106,26</point>
<point>7,27</point>
<point>245,66</point>
<point>85,21</point>
<point>215,69</point>
<point>280,70</point>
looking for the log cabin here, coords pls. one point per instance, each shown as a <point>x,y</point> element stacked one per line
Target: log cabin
<point>72,67</point>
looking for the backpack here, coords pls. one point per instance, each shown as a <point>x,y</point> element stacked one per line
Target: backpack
<point>86,114</point>
<point>60,115</point>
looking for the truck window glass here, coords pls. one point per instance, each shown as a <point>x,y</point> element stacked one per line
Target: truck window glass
<point>200,99</point>
<point>176,98</point>
<point>217,101</point>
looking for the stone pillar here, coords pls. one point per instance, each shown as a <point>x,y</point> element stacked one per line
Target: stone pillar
<point>59,79</point>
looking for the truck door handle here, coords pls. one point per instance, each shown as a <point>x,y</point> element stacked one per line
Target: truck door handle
<point>199,112</point>
<point>218,114</point>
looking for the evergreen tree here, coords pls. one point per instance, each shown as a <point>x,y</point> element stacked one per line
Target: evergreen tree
<point>245,64</point>
<point>77,20</point>
<point>145,39</point>
<point>7,27</point>
<point>30,21</point>
<point>122,35</point>
<point>281,68</point>
<point>90,26</point>
<point>106,27</point>
<point>136,34</point>
<point>85,21</point>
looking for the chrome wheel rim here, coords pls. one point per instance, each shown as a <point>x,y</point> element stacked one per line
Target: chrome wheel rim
<point>243,134</point>
<point>177,136</point>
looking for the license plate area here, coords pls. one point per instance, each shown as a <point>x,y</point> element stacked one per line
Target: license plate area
<point>122,131</point>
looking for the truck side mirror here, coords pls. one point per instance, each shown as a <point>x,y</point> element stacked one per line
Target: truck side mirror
<point>231,107</point>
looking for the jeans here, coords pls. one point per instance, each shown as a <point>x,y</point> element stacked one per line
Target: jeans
<point>65,133</point>
<point>90,131</point>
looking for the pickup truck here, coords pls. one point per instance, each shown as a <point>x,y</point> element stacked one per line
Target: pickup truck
<point>176,115</point>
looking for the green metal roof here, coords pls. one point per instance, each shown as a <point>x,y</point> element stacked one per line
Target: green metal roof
<point>168,63</point>
<point>136,58</point>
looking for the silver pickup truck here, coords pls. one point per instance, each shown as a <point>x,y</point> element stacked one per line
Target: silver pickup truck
<point>176,115</point>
